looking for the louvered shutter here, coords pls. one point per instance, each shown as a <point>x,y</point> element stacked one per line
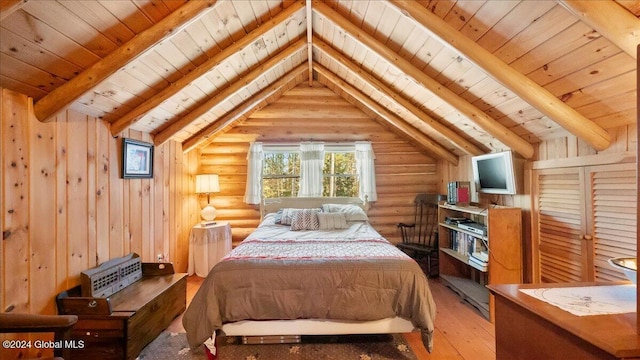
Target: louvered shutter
<point>560,205</point>
<point>613,217</point>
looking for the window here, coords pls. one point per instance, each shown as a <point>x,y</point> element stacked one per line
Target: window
<point>281,172</point>
<point>310,169</point>
<point>340,177</point>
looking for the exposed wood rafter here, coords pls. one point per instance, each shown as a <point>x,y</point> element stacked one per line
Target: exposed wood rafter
<point>486,122</point>
<point>254,103</point>
<point>136,114</point>
<point>611,20</point>
<point>229,91</point>
<point>457,140</point>
<point>408,130</point>
<point>8,7</point>
<point>67,93</point>
<point>310,40</point>
<point>527,89</point>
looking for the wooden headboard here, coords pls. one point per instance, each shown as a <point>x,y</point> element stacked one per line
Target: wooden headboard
<point>274,204</point>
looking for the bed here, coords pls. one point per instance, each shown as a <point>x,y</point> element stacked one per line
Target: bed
<point>285,279</point>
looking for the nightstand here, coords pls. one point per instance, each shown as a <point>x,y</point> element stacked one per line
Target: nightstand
<point>207,245</point>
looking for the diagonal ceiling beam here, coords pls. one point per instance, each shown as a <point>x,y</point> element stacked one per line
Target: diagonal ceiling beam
<point>67,93</point>
<point>141,110</point>
<point>486,122</point>
<point>527,89</point>
<point>228,92</point>
<point>414,134</point>
<point>611,20</point>
<point>8,7</point>
<point>457,140</point>
<point>254,103</point>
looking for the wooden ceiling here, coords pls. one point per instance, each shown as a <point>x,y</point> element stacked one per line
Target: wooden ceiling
<point>457,77</point>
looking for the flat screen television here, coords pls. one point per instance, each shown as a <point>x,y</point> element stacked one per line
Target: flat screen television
<point>496,173</point>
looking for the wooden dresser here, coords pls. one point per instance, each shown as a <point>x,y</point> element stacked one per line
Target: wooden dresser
<point>528,328</point>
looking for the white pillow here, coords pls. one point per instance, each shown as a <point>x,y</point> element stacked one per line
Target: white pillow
<point>305,219</point>
<point>331,221</point>
<point>351,212</point>
<point>285,216</point>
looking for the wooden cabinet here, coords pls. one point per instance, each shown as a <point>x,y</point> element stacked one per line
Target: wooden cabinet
<point>501,243</point>
<point>582,216</point>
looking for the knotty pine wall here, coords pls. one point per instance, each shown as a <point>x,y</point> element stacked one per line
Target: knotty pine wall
<point>65,208</point>
<point>317,113</point>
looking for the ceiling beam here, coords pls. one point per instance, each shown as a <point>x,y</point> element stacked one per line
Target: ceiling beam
<point>408,130</point>
<point>254,103</point>
<point>610,19</point>
<point>141,110</point>
<point>8,7</point>
<point>455,139</point>
<point>484,121</point>
<point>69,92</point>
<point>527,89</point>
<point>310,40</point>
<point>227,92</point>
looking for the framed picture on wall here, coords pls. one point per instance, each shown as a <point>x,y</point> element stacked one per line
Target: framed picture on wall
<point>137,159</point>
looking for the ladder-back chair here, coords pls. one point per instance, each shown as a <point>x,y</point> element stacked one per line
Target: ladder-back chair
<point>420,239</point>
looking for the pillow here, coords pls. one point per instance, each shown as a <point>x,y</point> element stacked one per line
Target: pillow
<point>277,217</point>
<point>351,212</point>
<point>286,216</point>
<point>331,221</point>
<point>305,219</point>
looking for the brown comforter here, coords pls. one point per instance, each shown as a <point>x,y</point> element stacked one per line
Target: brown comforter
<point>296,285</point>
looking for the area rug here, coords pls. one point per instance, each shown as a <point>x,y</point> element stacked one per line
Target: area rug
<point>357,347</point>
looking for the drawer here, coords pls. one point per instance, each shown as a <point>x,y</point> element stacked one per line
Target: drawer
<point>100,348</point>
<point>99,328</point>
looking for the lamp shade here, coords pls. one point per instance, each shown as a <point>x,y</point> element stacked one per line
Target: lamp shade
<point>207,183</point>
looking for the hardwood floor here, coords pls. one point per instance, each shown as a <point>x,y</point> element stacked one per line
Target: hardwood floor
<point>461,332</point>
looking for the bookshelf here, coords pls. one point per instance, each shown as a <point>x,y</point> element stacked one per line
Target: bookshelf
<point>472,257</point>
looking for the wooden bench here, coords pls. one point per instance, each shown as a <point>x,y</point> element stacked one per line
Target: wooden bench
<point>119,325</point>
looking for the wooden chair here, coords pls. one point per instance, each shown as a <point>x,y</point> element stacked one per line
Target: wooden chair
<point>420,239</point>
<point>60,325</point>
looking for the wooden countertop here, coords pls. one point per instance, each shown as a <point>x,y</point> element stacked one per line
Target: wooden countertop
<point>616,334</point>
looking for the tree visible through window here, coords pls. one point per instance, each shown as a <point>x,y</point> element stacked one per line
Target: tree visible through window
<point>340,177</point>
<point>281,174</point>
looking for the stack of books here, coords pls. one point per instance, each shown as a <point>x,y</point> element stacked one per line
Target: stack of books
<point>479,260</point>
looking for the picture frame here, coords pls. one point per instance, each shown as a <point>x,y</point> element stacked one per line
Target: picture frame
<point>137,159</point>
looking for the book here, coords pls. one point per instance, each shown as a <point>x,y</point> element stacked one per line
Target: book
<point>481,256</point>
<point>482,266</point>
<point>458,192</point>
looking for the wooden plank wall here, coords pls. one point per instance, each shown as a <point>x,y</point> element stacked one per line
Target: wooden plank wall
<point>65,208</point>
<point>317,113</point>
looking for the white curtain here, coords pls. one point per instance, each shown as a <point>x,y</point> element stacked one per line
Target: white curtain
<point>311,161</point>
<point>366,170</point>
<point>253,191</point>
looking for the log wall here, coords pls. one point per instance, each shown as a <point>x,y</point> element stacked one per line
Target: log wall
<point>65,209</point>
<point>317,113</point>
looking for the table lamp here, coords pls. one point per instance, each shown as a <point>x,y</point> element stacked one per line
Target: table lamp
<point>207,184</point>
